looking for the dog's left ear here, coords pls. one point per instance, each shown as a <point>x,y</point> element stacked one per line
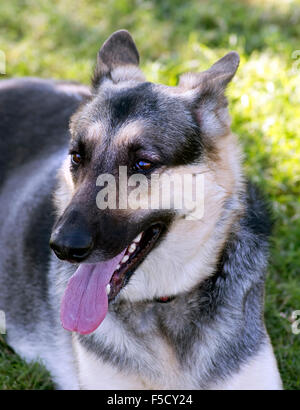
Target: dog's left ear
<point>205,91</point>
<point>118,60</point>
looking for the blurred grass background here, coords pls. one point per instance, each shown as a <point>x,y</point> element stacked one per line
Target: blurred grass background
<point>60,39</point>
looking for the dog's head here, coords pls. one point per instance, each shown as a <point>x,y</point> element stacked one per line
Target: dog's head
<point>131,128</point>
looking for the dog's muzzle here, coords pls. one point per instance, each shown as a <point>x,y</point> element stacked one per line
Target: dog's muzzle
<point>71,241</point>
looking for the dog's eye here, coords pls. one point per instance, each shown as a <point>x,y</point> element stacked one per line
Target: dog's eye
<point>76,158</point>
<point>143,165</point>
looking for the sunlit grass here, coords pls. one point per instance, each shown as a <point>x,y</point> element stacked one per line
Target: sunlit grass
<point>60,39</point>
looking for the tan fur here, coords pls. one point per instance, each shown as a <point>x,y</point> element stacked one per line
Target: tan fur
<point>65,189</point>
<point>126,73</point>
<point>203,239</point>
<point>226,165</point>
<point>129,132</point>
<point>95,132</point>
<point>189,81</point>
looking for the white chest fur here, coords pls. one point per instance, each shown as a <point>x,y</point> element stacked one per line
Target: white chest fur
<point>158,369</point>
<point>260,373</point>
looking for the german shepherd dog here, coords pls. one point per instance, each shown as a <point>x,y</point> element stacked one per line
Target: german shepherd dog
<point>131,298</point>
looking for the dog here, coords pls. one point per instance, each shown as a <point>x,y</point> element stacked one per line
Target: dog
<point>131,298</point>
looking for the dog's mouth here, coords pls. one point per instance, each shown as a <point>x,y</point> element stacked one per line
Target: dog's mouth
<point>93,285</point>
<point>134,255</point>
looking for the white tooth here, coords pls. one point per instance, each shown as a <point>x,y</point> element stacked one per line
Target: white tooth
<point>132,248</point>
<point>125,259</point>
<point>118,267</point>
<point>107,289</point>
<point>138,238</point>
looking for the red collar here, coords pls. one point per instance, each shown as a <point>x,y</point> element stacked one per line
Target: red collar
<point>165,299</point>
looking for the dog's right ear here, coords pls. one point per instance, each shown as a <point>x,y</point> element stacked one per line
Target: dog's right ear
<point>118,60</point>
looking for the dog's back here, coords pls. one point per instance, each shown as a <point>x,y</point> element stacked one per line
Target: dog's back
<point>33,140</point>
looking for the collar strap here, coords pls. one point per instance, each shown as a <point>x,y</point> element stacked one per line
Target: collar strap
<point>165,299</point>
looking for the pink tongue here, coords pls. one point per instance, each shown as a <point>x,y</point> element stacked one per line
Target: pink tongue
<point>85,302</point>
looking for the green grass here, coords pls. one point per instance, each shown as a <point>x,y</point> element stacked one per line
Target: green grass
<point>60,39</point>
<point>15,374</point>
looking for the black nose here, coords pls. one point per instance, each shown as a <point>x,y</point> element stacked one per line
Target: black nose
<point>74,245</point>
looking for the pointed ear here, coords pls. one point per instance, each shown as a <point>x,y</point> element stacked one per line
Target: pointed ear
<point>118,60</point>
<point>206,93</point>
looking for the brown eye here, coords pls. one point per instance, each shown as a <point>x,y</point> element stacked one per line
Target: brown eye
<point>143,165</point>
<point>76,158</point>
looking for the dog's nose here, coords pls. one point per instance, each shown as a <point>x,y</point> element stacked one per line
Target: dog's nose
<point>74,246</point>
